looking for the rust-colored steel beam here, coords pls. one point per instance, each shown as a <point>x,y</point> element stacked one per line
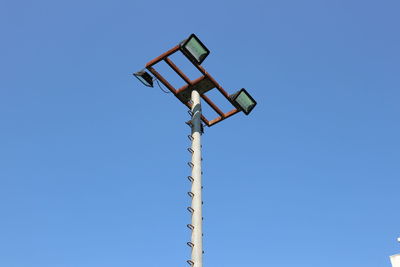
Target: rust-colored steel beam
<point>177,70</point>
<point>200,68</point>
<point>227,115</point>
<point>205,121</point>
<point>161,78</point>
<point>201,84</point>
<point>217,85</point>
<point>214,107</point>
<point>192,83</point>
<point>162,56</point>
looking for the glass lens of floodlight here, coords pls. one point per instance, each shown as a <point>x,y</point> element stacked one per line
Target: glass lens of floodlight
<point>245,102</point>
<point>195,48</point>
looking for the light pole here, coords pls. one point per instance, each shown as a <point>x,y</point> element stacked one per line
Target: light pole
<point>196,226</point>
<point>395,259</point>
<point>190,95</point>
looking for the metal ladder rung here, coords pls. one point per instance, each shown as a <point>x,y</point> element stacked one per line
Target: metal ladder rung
<point>190,178</point>
<point>190,164</point>
<point>191,263</point>
<point>190,226</point>
<point>191,194</point>
<point>190,244</point>
<point>190,209</point>
<point>190,137</point>
<point>190,150</point>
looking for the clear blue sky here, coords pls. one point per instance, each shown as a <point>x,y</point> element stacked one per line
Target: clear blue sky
<point>93,165</point>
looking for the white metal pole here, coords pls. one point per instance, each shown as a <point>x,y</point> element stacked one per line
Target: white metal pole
<point>395,259</point>
<point>196,207</point>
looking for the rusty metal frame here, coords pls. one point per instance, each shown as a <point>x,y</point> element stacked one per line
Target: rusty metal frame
<point>202,85</point>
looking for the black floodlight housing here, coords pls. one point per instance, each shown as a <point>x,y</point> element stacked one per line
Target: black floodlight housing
<point>243,101</point>
<point>194,49</point>
<point>144,77</point>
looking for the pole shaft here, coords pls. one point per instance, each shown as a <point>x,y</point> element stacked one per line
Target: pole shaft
<point>197,218</point>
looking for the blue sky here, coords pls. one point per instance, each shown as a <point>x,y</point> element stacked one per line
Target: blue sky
<point>93,165</point>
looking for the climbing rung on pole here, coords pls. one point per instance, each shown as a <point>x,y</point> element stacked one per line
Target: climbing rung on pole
<point>190,164</point>
<point>190,209</point>
<point>190,244</point>
<point>190,178</point>
<point>191,194</point>
<point>190,226</point>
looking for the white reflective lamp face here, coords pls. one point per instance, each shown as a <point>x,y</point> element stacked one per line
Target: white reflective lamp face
<point>196,49</point>
<point>245,102</point>
<point>144,81</point>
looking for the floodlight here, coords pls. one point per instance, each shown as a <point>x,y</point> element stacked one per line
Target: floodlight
<point>243,101</point>
<point>144,77</point>
<point>194,49</point>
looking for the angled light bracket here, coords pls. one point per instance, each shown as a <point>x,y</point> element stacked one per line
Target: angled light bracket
<point>144,77</point>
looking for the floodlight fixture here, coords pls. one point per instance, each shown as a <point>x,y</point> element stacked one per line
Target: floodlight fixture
<point>243,101</point>
<point>194,49</point>
<point>144,77</point>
